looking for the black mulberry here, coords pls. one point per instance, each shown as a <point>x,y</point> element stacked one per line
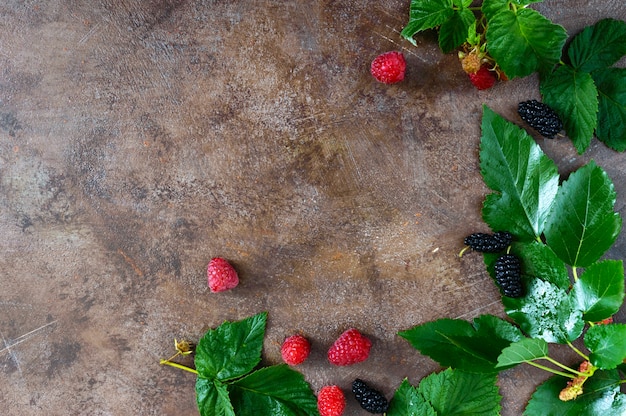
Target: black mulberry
<point>489,243</point>
<point>540,117</point>
<point>371,400</point>
<point>508,273</point>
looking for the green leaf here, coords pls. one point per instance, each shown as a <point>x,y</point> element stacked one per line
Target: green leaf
<point>407,401</point>
<point>232,349</point>
<point>524,179</point>
<point>607,344</point>
<point>212,398</point>
<point>601,396</point>
<point>538,260</point>
<point>582,224</point>
<point>426,14</point>
<point>454,392</point>
<point>574,97</point>
<point>459,344</point>
<point>523,351</point>
<point>599,292</point>
<point>524,41</point>
<point>598,46</point>
<point>491,7</point>
<point>546,312</point>
<point>453,32</point>
<point>273,391</point>
<point>611,128</point>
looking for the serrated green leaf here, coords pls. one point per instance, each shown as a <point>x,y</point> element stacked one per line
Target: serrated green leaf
<point>212,398</point>
<point>574,97</point>
<point>611,128</point>
<point>457,343</point>
<point>453,32</point>
<point>598,46</point>
<point>273,391</point>
<point>524,179</point>
<point>407,401</point>
<point>426,14</point>
<point>582,224</point>
<point>607,344</point>
<point>491,7</point>
<point>232,349</point>
<point>454,392</point>
<point>527,349</point>
<point>599,292</point>
<point>546,312</point>
<point>524,41</point>
<point>538,260</point>
<point>601,396</point>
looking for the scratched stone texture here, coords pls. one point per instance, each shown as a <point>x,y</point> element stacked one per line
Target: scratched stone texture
<point>140,138</point>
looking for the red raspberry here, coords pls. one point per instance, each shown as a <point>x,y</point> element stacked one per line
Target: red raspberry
<point>389,67</point>
<point>331,401</point>
<point>350,348</point>
<point>295,349</point>
<point>221,275</point>
<point>483,79</point>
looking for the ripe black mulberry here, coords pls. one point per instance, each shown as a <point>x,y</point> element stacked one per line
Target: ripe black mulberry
<point>508,273</point>
<point>370,399</point>
<point>489,243</point>
<point>540,117</point>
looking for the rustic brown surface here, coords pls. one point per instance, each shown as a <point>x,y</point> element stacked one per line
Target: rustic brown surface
<point>138,139</point>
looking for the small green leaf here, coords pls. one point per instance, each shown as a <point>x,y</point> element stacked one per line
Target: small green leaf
<point>407,401</point>
<point>491,7</point>
<point>598,46</point>
<point>426,14</point>
<point>212,398</point>
<point>546,312</point>
<point>524,41</point>
<point>601,396</point>
<point>524,179</point>
<point>599,292</point>
<point>611,129</point>
<point>276,390</point>
<point>454,392</point>
<point>459,344</point>
<point>453,32</point>
<point>538,260</point>
<point>232,349</point>
<point>607,344</point>
<point>523,351</point>
<point>582,224</point>
<point>574,97</point>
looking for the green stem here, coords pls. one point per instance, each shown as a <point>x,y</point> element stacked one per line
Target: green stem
<point>180,366</point>
<point>564,367</point>
<point>577,351</point>
<point>575,274</point>
<point>550,370</point>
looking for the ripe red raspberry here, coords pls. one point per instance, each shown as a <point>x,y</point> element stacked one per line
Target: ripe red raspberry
<point>389,67</point>
<point>221,275</point>
<point>350,348</point>
<point>331,401</point>
<point>295,349</point>
<point>483,79</point>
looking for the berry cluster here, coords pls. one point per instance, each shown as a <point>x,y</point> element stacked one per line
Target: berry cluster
<point>370,399</point>
<point>489,243</point>
<point>540,117</point>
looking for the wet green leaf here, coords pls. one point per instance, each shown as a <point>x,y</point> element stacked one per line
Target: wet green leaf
<point>607,344</point>
<point>599,292</point>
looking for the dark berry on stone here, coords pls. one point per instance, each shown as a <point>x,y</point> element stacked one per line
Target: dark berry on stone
<point>508,273</point>
<point>489,243</point>
<point>370,399</point>
<point>540,117</point>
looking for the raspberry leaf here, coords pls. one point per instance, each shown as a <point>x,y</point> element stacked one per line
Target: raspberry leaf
<point>407,402</point>
<point>599,292</point>
<point>524,179</point>
<point>607,344</point>
<point>426,14</point>
<point>523,41</point>
<point>277,390</point>
<point>523,351</point>
<point>601,397</point>
<point>611,128</point>
<point>573,96</point>
<point>546,312</point>
<point>232,349</point>
<point>582,224</point>
<point>212,398</point>
<point>598,46</point>
<point>491,7</point>
<point>454,31</point>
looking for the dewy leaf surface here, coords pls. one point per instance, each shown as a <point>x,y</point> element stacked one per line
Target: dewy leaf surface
<point>599,292</point>
<point>524,179</point>
<point>232,349</point>
<point>426,14</point>
<point>607,344</point>
<point>598,46</point>
<point>408,402</point>
<point>583,225</point>
<point>527,349</point>
<point>212,398</point>
<point>276,390</point>
<point>611,85</point>
<point>573,96</point>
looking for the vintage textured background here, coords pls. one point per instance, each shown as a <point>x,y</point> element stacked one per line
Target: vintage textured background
<point>138,139</point>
